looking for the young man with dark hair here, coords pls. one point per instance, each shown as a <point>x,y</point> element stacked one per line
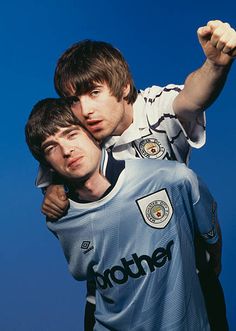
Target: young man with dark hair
<point>157,123</point>
<point>141,256</point>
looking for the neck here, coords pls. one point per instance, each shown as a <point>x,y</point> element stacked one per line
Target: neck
<point>126,120</point>
<point>93,188</point>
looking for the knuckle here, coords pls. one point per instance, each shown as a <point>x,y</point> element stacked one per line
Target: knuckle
<point>227,25</point>
<point>216,34</point>
<point>224,40</point>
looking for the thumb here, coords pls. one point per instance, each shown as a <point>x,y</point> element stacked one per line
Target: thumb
<point>61,193</point>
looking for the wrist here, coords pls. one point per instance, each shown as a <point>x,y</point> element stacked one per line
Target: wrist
<point>214,66</point>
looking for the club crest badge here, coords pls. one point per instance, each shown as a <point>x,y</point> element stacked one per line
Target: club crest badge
<point>156,209</point>
<point>151,148</point>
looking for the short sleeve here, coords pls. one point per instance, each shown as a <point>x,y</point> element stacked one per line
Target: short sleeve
<point>204,210</point>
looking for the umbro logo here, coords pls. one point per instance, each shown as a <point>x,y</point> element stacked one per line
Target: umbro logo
<point>211,234</point>
<point>85,246</point>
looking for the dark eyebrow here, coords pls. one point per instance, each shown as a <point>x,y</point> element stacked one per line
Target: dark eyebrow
<point>94,86</point>
<point>68,130</point>
<point>62,134</point>
<point>46,144</point>
<point>97,85</point>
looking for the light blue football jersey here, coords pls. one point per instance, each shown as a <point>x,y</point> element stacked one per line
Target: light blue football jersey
<point>137,242</point>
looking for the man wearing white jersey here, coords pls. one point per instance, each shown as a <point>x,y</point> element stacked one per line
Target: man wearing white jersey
<point>159,122</point>
<point>132,233</point>
<point>170,119</point>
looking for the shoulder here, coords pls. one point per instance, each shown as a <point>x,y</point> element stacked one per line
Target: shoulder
<point>172,171</point>
<point>158,101</point>
<point>153,92</point>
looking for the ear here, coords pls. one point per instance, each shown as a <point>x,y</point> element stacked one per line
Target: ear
<point>126,90</point>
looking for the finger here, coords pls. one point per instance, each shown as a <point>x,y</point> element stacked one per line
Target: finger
<point>217,35</point>
<point>222,34</point>
<point>221,44</point>
<point>55,202</point>
<point>230,47</point>
<point>61,192</point>
<point>50,214</point>
<point>58,206</point>
<point>232,53</point>
<point>227,43</point>
<point>204,32</point>
<point>213,24</point>
<point>53,208</point>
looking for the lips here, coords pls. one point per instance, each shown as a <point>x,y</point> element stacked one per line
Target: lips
<point>74,163</point>
<point>94,125</point>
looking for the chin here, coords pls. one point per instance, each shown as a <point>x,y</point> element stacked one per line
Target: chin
<point>75,176</point>
<point>100,136</point>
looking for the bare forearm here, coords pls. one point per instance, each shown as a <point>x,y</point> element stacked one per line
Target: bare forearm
<point>204,85</point>
<point>201,89</point>
<point>218,41</point>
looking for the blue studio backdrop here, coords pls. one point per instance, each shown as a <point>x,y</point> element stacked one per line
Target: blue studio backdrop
<point>159,41</point>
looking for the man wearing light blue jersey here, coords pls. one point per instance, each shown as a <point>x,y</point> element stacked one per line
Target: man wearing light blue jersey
<point>156,123</point>
<point>131,232</point>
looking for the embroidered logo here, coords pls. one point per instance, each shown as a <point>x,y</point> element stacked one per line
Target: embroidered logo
<point>85,246</point>
<point>156,209</point>
<point>151,148</point>
<point>211,234</point>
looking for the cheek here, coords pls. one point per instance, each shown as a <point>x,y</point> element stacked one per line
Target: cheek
<point>77,112</point>
<point>56,162</point>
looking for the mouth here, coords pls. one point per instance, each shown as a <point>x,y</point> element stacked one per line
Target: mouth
<point>74,163</point>
<point>94,125</point>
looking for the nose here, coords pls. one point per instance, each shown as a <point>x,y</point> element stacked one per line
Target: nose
<point>67,150</point>
<point>87,107</point>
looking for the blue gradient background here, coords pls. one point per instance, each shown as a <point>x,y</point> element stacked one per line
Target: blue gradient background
<point>159,41</point>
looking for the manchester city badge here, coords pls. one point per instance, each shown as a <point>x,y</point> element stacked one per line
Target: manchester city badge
<point>156,209</point>
<point>151,148</point>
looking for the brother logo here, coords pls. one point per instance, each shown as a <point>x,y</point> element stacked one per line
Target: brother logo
<point>120,274</point>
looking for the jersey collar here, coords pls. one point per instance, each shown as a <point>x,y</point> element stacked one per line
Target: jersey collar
<point>138,129</point>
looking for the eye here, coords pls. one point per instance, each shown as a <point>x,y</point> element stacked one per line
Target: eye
<point>72,134</point>
<point>94,92</point>
<point>49,149</point>
<point>75,101</point>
